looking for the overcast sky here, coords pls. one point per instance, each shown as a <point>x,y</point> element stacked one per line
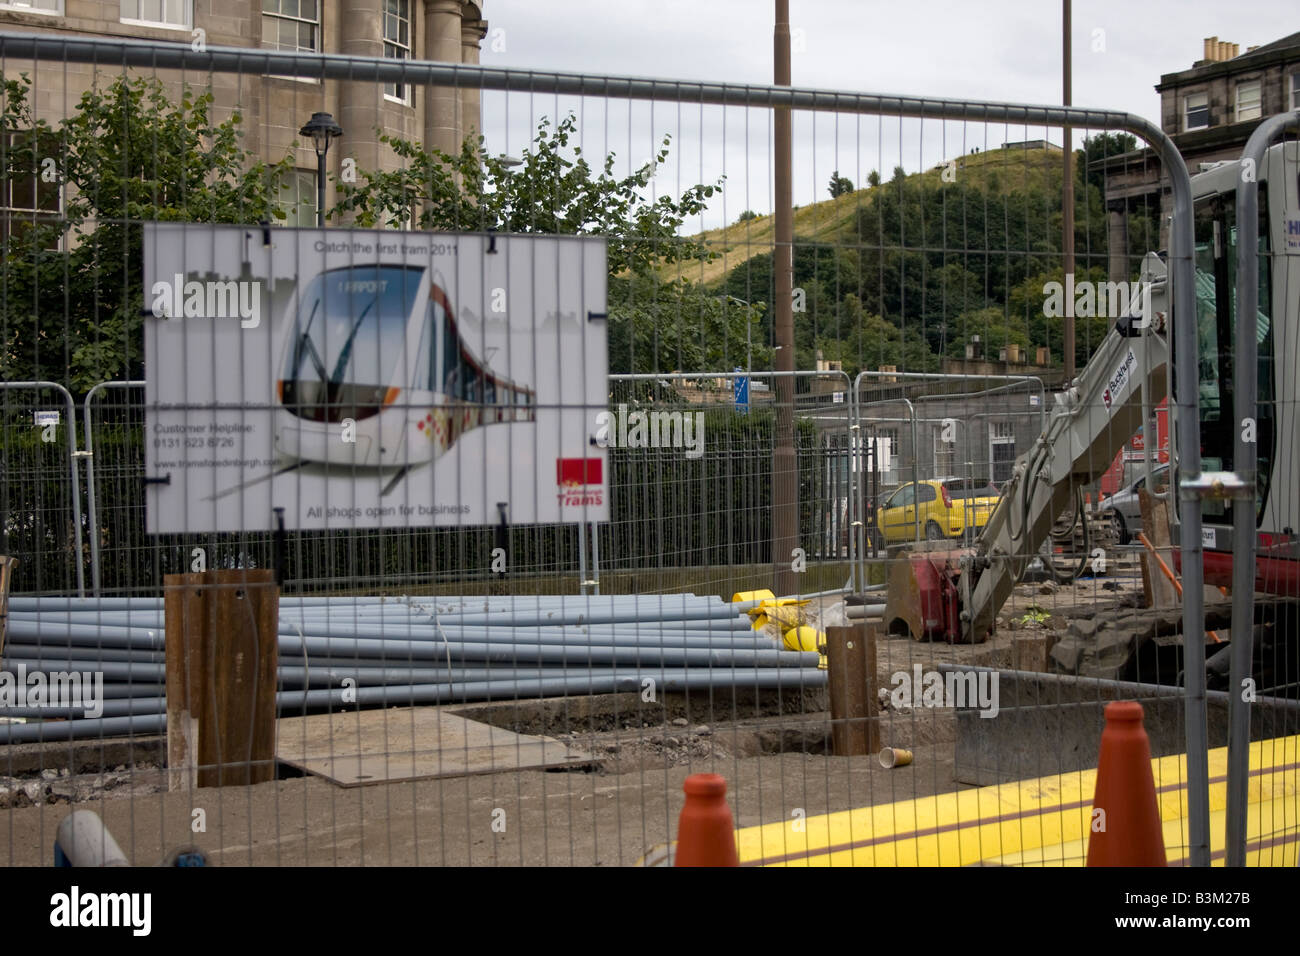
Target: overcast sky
<point>993,49</point>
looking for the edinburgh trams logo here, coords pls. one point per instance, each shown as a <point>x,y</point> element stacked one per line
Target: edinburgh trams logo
<point>581,481</point>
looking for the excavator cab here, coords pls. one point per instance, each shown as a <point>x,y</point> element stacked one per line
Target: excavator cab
<point>1277,238</point>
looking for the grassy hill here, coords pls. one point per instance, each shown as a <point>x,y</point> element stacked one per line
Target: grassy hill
<point>835,220</point>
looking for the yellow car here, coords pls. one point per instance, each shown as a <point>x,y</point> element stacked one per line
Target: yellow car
<point>938,509</point>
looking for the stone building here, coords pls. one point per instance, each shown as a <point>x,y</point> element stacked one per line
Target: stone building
<point>274,108</point>
<point>1209,110</point>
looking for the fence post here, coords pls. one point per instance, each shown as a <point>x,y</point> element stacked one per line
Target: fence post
<point>89,455</point>
<point>1245,406</point>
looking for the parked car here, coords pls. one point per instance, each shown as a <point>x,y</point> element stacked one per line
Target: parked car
<point>1123,508</point>
<point>940,507</point>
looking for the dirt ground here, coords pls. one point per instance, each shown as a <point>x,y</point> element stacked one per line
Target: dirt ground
<point>602,818</point>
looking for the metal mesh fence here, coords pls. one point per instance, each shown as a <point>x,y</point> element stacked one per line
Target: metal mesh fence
<point>511,691</point>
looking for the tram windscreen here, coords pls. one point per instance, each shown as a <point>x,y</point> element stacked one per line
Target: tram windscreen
<point>348,337</point>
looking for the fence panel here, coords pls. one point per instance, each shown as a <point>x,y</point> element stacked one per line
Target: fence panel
<point>41,507</point>
<point>437,669</point>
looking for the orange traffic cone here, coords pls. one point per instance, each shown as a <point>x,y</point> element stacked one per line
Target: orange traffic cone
<point>706,835</point>
<point>1125,828</point>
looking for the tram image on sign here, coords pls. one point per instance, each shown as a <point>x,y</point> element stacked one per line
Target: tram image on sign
<point>374,352</point>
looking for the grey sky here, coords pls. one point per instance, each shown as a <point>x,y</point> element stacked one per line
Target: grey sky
<point>997,49</point>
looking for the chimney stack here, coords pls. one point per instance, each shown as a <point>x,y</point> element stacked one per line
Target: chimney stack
<point>1217,51</point>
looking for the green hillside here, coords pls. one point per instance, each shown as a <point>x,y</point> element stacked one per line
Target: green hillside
<point>1000,172</point>
<point>907,272</point>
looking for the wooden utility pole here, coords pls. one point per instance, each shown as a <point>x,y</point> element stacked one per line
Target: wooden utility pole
<point>1067,193</point>
<point>785,485</point>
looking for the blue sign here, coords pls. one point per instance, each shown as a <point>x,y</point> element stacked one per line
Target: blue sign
<point>741,386</point>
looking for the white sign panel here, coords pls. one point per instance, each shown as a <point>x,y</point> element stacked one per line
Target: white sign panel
<point>371,378</point>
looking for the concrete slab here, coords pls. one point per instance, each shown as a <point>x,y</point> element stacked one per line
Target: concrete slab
<point>412,743</point>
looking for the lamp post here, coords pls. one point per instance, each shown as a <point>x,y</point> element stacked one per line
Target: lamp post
<point>321,128</point>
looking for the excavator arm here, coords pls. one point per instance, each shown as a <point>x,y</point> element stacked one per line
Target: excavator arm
<point>1100,411</point>
<point>957,595</point>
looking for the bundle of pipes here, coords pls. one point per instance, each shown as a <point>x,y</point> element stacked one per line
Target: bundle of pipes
<point>395,651</point>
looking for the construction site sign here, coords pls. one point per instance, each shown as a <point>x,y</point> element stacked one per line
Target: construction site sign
<point>371,378</point>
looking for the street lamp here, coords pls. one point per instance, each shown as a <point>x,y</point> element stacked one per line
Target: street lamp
<point>321,128</point>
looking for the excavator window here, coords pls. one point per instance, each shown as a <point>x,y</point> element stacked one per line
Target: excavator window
<point>1216,306</point>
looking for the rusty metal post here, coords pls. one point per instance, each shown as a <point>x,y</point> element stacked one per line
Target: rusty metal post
<point>851,662</point>
<point>222,652</point>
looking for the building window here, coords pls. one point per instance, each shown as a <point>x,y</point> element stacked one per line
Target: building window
<point>1295,91</point>
<point>178,14</point>
<point>26,197</point>
<point>1002,451</point>
<point>1248,106</point>
<point>397,43</point>
<point>297,197</point>
<point>1196,111</point>
<point>33,6</point>
<point>292,25</point>
<point>945,453</point>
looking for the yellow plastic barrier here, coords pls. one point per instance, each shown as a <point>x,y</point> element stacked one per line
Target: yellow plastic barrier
<point>1042,822</point>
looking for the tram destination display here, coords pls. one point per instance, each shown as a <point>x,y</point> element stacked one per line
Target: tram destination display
<point>371,378</point>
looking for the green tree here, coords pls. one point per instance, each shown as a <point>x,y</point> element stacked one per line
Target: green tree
<point>657,326</point>
<point>1100,147</point>
<point>553,190</point>
<point>840,185</point>
<point>73,296</point>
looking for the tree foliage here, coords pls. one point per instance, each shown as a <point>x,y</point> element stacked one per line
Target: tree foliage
<point>840,185</point>
<point>657,326</point>
<point>932,263</point>
<point>72,282</point>
<point>553,190</point>
<point>1099,147</point>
